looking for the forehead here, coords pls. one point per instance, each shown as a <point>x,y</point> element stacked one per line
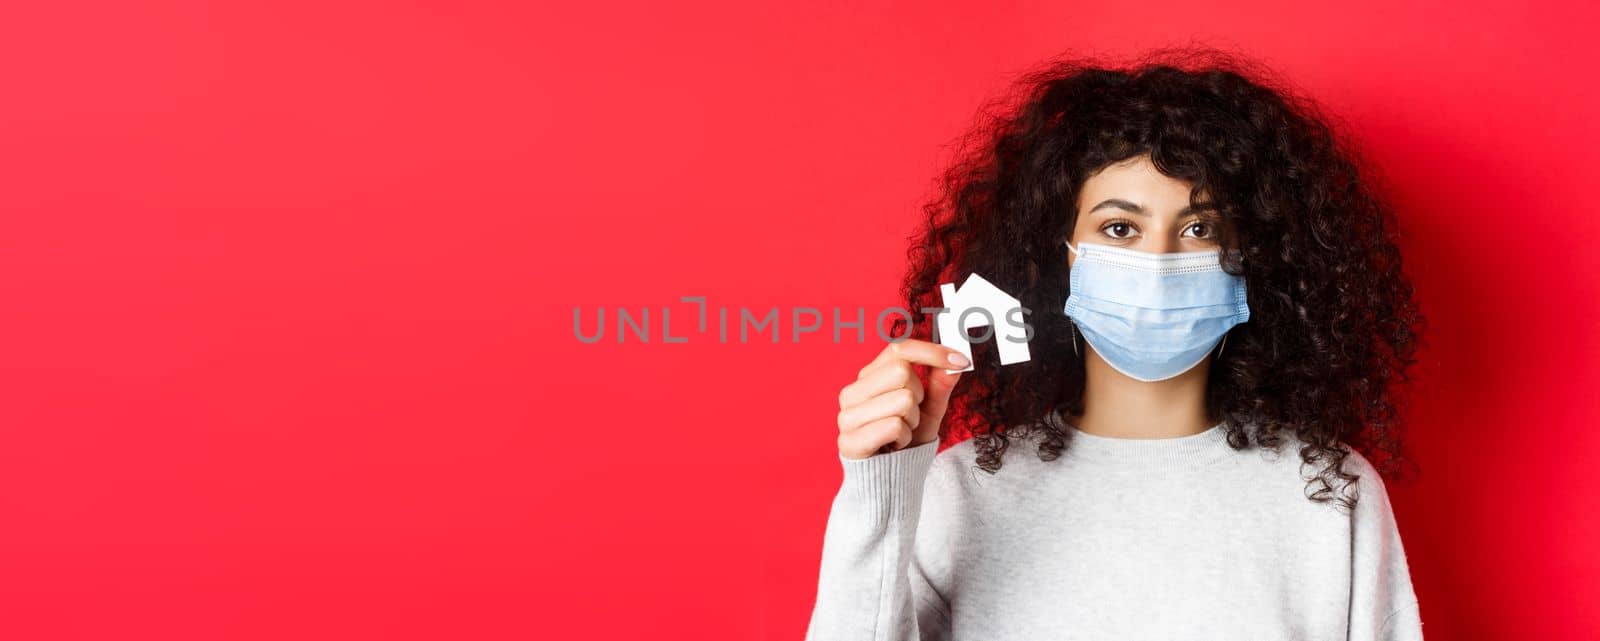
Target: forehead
<point>1136,180</point>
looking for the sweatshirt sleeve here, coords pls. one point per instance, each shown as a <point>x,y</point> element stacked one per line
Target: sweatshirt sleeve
<point>872,585</point>
<point>1383,606</point>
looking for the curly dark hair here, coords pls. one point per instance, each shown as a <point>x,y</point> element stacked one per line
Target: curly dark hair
<point>1333,322</point>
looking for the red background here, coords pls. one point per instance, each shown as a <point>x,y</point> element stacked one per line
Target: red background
<point>288,294</point>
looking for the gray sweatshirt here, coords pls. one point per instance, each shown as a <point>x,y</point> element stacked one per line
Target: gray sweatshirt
<point>1117,539</point>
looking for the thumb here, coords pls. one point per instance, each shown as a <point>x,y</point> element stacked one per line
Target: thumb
<point>936,402</point>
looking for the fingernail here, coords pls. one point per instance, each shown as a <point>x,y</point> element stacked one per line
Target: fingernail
<point>958,360</point>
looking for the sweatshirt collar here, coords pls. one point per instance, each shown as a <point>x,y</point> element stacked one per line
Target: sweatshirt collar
<point>1204,445</point>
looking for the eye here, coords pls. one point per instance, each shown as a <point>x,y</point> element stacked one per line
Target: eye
<point>1117,229</point>
<point>1205,228</point>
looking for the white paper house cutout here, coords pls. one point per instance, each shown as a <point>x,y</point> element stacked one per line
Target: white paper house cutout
<point>977,292</point>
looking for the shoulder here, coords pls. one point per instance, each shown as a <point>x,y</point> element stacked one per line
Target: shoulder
<point>1275,472</point>
<point>1357,477</point>
<point>957,478</point>
<point>954,465</point>
<point>1362,477</point>
<point>964,452</point>
<point>1369,490</point>
<point>1289,452</point>
<point>1019,461</point>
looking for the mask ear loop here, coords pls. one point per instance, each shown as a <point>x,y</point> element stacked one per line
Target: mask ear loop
<point>1074,325</point>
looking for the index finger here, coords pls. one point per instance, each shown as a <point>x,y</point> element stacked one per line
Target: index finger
<point>926,353</point>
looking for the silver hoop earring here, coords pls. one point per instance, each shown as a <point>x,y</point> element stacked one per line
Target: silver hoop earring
<point>1075,340</point>
<point>1223,346</point>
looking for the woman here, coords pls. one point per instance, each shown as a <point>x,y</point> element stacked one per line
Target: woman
<point>1219,313</point>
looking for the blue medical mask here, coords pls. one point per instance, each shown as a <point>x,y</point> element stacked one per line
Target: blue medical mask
<point>1153,316</point>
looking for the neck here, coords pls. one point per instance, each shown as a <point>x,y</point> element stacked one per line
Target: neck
<point>1120,407</point>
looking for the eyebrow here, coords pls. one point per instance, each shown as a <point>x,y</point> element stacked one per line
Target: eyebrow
<point>1134,208</point>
